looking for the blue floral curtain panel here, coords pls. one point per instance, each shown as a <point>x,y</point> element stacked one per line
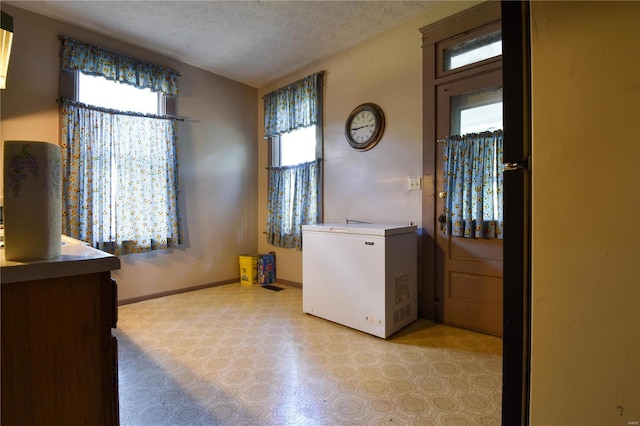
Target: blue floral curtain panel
<point>292,107</point>
<point>120,179</point>
<point>93,60</point>
<point>293,201</point>
<point>473,181</point>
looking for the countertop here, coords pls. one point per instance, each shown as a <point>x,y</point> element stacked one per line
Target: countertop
<point>77,258</point>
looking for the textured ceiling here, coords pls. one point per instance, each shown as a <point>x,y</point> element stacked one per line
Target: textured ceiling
<point>253,42</point>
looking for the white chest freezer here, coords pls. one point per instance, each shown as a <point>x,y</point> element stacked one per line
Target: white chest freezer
<point>363,276</point>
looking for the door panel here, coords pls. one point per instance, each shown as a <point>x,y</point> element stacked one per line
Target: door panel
<point>467,287</point>
<point>468,249</point>
<point>469,271</point>
<point>474,301</point>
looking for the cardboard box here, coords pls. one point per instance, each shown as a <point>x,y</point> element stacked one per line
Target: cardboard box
<point>267,268</point>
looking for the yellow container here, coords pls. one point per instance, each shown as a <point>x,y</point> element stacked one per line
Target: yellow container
<point>248,269</point>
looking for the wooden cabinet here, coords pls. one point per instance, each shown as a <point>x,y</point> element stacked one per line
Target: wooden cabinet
<point>59,357</point>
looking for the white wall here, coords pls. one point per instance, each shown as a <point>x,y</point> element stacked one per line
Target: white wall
<point>586,209</point>
<point>372,185</point>
<point>217,153</point>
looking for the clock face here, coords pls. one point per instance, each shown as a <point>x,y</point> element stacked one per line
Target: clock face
<point>365,126</point>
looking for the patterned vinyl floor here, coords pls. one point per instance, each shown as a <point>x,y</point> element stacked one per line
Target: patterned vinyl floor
<point>245,355</point>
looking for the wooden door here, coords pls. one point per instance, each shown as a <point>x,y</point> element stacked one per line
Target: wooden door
<point>468,271</point>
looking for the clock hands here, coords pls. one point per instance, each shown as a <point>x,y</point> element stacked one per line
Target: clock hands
<point>361,127</point>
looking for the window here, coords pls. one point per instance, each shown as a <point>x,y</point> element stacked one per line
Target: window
<point>119,162</point>
<point>293,126</point>
<point>476,112</point>
<point>469,49</point>
<point>98,91</point>
<point>295,147</point>
<point>472,51</point>
<point>469,117</point>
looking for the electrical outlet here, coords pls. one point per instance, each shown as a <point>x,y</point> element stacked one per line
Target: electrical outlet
<point>415,184</point>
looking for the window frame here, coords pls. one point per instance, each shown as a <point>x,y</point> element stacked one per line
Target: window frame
<point>275,149</point>
<point>273,157</point>
<point>69,84</point>
<point>441,46</point>
<point>69,88</point>
<point>455,113</point>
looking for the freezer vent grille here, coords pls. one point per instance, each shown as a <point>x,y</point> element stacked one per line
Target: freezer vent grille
<point>402,313</point>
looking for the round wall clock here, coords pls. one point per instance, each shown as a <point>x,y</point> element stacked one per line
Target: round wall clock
<point>364,126</point>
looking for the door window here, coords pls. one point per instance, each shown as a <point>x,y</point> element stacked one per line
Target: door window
<point>472,51</point>
<point>469,49</point>
<point>476,112</point>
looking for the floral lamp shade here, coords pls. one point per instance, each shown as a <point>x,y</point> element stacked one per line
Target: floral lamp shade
<point>32,200</point>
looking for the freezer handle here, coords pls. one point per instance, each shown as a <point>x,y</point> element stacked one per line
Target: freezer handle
<point>346,230</point>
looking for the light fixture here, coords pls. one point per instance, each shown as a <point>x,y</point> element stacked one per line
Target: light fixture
<point>7,38</point>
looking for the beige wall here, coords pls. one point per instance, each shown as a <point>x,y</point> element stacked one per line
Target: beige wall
<point>586,204</point>
<point>586,152</point>
<point>217,153</point>
<point>373,185</point>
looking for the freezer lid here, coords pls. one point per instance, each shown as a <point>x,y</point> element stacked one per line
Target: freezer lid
<point>379,229</point>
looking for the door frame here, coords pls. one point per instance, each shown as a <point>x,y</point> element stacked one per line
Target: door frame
<point>484,14</point>
<point>516,356</point>
<point>516,53</point>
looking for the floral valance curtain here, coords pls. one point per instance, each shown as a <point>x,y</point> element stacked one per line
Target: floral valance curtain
<point>293,201</point>
<point>473,181</point>
<point>119,179</point>
<point>93,60</point>
<point>292,107</point>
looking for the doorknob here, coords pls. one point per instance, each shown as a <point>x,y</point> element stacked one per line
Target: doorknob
<point>442,195</point>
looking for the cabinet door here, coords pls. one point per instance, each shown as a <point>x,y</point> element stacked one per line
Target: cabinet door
<point>57,352</point>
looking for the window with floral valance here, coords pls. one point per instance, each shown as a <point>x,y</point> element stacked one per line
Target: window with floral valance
<point>94,60</point>
<point>119,168</point>
<point>293,190</point>
<point>292,107</point>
